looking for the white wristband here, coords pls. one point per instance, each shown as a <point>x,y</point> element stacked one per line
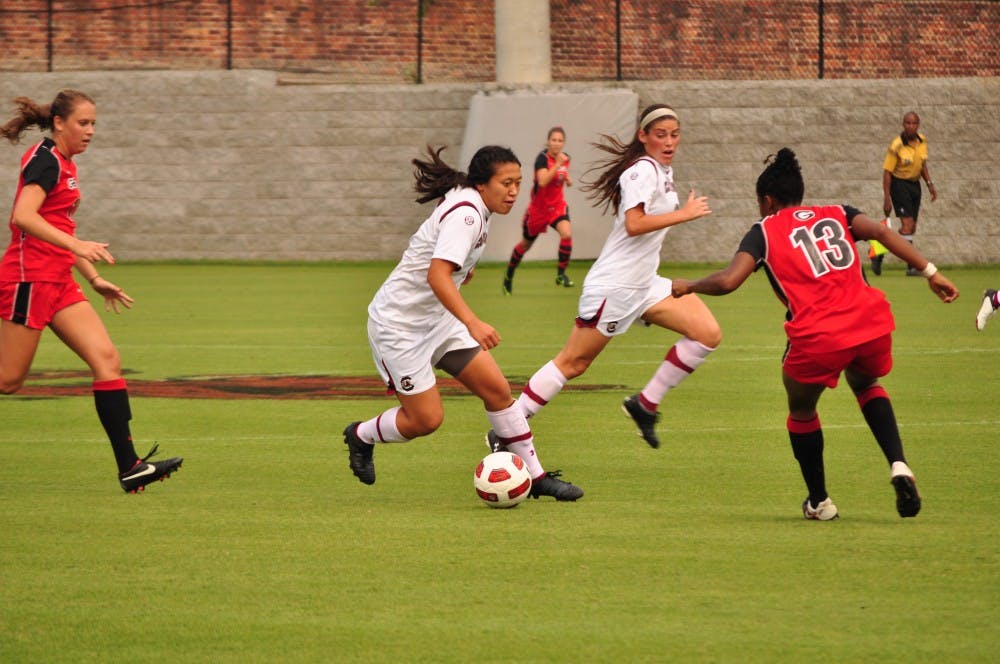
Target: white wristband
<point>929,271</point>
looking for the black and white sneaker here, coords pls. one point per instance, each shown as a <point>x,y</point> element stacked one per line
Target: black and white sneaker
<point>645,420</point>
<point>987,309</point>
<point>825,511</point>
<point>145,471</point>
<point>360,455</point>
<point>907,496</point>
<point>549,484</point>
<point>493,442</point>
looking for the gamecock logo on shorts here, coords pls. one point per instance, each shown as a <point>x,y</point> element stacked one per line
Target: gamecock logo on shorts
<point>612,326</point>
<point>406,383</point>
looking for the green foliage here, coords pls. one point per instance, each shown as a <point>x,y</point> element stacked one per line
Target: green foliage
<point>264,547</point>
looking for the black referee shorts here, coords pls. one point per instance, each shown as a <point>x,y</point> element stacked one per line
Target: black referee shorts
<point>905,195</point>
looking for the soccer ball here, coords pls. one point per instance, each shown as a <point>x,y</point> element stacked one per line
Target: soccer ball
<point>502,479</point>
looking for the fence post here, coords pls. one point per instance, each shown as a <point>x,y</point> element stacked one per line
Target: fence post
<point>48,35</point>
<point>618,40</point>
<point>420,41</point>
<point>820,58</point>
<point>229,34</point>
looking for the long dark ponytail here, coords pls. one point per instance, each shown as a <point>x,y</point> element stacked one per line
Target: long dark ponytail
<point>435,178</point>
<point>604,190</point>
<point>32,114</point>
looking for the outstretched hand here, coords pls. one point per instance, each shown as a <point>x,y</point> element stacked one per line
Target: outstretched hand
<point>943,287</point>
<point>93,251</point>
<point>696,206</point>
<point>113,295</point>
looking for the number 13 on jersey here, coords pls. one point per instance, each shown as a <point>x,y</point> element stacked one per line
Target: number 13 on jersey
<point>824,245</point>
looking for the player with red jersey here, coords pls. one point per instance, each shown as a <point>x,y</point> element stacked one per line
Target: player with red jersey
<point>836,322</point>
<point>547,208</point>
<point>37,289</point>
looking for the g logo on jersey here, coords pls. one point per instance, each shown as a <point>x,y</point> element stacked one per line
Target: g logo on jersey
<point>470,220</point>
<point>406,383</point>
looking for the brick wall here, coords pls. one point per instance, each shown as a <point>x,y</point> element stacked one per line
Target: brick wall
<point>377,40</point>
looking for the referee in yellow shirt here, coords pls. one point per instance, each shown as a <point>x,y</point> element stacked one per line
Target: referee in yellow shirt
<point>905,163</point>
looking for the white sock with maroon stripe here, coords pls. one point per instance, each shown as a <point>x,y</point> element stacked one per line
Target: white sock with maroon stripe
<point>382,429</point>
<point>683,358</point>
<point>541,389</point>
<point>511,426</point>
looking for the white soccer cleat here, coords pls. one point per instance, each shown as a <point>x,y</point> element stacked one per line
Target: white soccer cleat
<point>825,511</point>
<point>987,309</point>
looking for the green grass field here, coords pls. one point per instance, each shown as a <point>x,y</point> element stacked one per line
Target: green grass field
<point>264,547</point>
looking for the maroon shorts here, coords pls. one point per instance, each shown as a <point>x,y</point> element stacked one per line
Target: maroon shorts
<point>33,304</point>
<point>872,358</point>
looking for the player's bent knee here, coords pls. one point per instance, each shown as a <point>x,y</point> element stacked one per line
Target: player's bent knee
<point>712,338</point>
<point>424,424</point>
<point>575,367</point>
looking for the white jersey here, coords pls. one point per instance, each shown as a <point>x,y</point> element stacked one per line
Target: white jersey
<point>631,261</point>
<point>456,232</point>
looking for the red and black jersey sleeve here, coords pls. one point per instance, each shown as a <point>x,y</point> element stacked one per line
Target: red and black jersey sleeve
<point>42,169</point>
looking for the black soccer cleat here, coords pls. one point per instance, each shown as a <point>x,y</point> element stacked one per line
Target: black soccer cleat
<point>508,285</point>
<point>360,455</point>
<point>645,420</point>
<point>145,471</point>
<point>493,442</point>
<point>564,280</point>
<point>877,264</point>
<point>907,497</point>
<point>549,484</point>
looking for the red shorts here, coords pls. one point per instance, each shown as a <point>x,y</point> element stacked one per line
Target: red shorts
<point>533,225</point>
<point>33,304</point>
<point>872,358</point>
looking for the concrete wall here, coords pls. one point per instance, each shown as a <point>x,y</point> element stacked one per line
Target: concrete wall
<point>235,164</point>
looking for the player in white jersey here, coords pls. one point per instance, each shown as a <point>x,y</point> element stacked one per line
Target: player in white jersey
<point>623,285</point>
<point>418,320</point>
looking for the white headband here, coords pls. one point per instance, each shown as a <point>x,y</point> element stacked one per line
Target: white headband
<point>656,114</point>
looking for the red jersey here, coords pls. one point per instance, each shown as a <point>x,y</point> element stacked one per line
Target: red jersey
<point>547,203</point>
<point>814,267</point>
<point>27,258</point>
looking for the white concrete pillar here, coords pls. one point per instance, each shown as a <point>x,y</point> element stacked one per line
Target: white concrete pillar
<point>524,53</point>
